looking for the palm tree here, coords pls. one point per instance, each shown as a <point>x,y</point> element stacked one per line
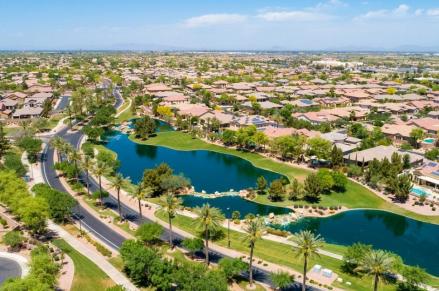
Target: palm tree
<point>170,204</point>
<point>66,149</point>
<point>118,182</point>
<point>139,193</point>
<point>255,228</point>
<point>57,143</point>
<point>88,165</point>
<point>307,244</point>
<point>209,218</point>
<point>378,264</point>
<point>99,170</point>
<point>75,158</point>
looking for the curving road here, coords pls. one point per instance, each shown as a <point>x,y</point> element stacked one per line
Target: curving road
<point>95,225</point>
<point>9,269</point>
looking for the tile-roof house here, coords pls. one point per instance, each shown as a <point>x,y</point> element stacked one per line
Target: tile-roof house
<point>157,87</point>
<point>399,132</point>
<point>256,120</point>
<point>428,124</point>
<point>379,153</point>
<point>194,110</point>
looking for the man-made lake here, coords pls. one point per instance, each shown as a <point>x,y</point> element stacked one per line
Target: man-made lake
<point>207,170</point>
<point>416,242</point>
<point>234,203</point>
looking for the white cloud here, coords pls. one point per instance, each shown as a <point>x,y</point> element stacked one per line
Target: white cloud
<point>329,4</point>
<point>214,19</point>
<point>433,12</point>
<point>400,11</point>
<point>419,12</point>
<point>294,15</point>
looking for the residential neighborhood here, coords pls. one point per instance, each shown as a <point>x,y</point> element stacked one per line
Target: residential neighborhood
<point>219,145</point>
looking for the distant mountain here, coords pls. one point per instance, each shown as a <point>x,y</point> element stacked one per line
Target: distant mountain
<point>144,47</point>
<point>403,48</point>
<point>275,48</point>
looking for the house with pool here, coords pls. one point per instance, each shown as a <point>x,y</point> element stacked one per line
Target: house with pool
<point>427,179</point>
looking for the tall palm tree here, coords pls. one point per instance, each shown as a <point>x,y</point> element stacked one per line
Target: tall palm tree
<point>118,182</point>
<point>87,165</point>
<point>170,204</point>
<point>209,218</point>
<point>100,169</point>
<point>75,158</point>
<point>254,229</point>
<point>66,149</point>
<point>307,244</point>
<point>57,143</point>
<point>377,264</point>
<point>139,193</point>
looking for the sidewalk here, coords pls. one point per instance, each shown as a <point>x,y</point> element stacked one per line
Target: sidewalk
<point>150,214</point>
<point>98,259</point>
<point>125,109</point>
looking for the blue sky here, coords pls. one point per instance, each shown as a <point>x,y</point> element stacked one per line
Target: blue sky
<point>220,24</point>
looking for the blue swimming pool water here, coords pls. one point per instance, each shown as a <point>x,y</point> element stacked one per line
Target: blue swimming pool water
<point>429,140</point>
<point>419,191</point>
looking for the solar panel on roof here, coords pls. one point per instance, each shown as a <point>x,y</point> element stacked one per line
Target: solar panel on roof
<point>431,164</point>
<point>306,101</point>
<point>435,173</point>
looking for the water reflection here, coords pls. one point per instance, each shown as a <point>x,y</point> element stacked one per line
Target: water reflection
<point>209,171</point>
<point>234,203</point>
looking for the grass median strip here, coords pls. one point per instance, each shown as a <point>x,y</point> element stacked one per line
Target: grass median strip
<point>88,276</point>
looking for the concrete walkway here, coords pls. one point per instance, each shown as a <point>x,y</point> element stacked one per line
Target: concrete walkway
<point>96,258</point>
<point>125,109</point>
<point>149,209</point>
<point>67,271</point>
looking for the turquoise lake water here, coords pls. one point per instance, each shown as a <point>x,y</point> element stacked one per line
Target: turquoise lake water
<point>207,170</point>
<point>416,242</point>
<point>234,203</point>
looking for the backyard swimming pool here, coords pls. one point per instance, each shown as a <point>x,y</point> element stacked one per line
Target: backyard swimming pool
<point>429,140</point>
<point>418,191</point>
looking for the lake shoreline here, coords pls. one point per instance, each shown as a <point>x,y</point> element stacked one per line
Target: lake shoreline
<point>261,161</point>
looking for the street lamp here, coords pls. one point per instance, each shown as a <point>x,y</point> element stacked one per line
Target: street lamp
<point>228,227</point>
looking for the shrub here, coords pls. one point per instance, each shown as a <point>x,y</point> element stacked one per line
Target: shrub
<point>103,250</point>
<point>12,161</point>
<point>98,195</point>
<point>149,232</point>
<point>13,239</point>
<point>3,222</point>
<point>278,232</point>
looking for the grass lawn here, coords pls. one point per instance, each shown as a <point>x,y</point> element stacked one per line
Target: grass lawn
<point>11,131</point>
<point>127,114</point>
<point>117,262</point>
<point>356,196</point>
<point>88,276</point>
<point>244,283</point>
<point>281,254</point>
